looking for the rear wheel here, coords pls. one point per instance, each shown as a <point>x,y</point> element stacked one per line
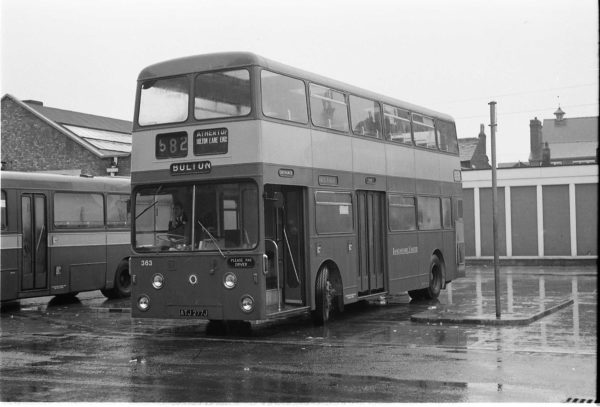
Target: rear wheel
<point>435,279</point>
<point>435,282</point>
<point>324,294</point>
<point>122,286</point>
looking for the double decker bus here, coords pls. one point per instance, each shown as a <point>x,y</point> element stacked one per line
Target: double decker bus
<point>62,234</point>
<point>261,190</point>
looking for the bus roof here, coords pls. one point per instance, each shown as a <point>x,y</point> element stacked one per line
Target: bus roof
<point>37,180</point>
<point>225,60</point>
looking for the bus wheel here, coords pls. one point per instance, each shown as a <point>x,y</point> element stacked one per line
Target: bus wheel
<point>122,287</point>
<point>435,279</point>
<point>324,294</point>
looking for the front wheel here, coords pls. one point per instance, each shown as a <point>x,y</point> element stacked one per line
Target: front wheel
<point>122,286</point>
<point>324,294</point>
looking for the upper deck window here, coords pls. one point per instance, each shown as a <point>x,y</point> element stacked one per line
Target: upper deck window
<point>222,94</point>
<point>164,101</point>
<point>283,97</point>
<point>366,117</point>
<point>423,131</point>
<point>328,108</point>
<point>397,124</point>
<point>446,136</point>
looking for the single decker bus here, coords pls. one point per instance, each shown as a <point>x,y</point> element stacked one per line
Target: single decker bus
<point>260,190</point>
<point>63,234</point>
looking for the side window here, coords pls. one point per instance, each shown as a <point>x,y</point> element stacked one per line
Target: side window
<point>423,131</point>
<point>334,212</point>
<point>328,108</point>
<point>446,136</point>
<point>396,125</point>
<point>459,209</point>
<point>429,214</point>
<point>366,117</point>
<point>447,213</point>
<point>78,210</point>
<point>117,210</point>
<point>402,213</point>
<point>283,97</point>
<point>3,224</point>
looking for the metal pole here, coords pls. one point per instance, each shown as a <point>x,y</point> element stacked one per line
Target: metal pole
<point>495,208</point>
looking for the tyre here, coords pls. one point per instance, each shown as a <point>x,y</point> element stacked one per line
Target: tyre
<point>436,277</point>
<point>323,297</point>
<point>122,286</point>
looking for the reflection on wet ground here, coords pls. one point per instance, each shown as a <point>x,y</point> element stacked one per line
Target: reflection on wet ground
<point>524,290</point>
<point>570,330</point>
<point>371,352</point>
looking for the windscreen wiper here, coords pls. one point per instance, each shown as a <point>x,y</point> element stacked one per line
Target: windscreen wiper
<point>152,205</point>
<point>212,238</point>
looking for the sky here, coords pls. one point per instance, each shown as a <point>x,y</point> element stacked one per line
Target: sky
<point>453,56</point>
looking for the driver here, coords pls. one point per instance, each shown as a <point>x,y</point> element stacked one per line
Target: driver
<point>178,220</point>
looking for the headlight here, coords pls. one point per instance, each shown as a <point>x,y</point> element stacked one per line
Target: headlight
<point>247,303</point>
<point>158,281</point>
<point>143,303</point>
<point>229,280</point>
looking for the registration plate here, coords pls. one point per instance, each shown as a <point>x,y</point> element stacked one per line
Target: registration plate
<point>193,313</point>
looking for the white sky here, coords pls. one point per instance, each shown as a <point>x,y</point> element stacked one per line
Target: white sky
<point>454,56</point>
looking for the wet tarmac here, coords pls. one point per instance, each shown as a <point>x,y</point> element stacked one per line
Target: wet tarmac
<point>90,349</point>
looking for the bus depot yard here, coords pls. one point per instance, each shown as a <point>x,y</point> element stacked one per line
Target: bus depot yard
<point>90,349</point>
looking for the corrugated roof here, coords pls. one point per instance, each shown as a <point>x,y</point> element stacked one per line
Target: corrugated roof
<point>102,139</point>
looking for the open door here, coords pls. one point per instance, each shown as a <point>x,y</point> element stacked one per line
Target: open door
<point>284,232</point>
<point>34,275</point>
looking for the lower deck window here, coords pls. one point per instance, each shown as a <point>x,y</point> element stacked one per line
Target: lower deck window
<point>429,213</point>
<point>78,210</point>
<point>334,212</point>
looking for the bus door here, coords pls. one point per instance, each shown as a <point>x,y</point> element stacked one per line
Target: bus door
<point>371,232</point>
<point>34,251</point>
<point>284,226</point>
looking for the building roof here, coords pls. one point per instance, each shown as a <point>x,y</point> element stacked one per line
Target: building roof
<point>572,137</point>
<point>467,147</point>
<point>103,136</point>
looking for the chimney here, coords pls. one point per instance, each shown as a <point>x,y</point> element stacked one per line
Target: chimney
<point>535,141</point>
<point>546,155</point>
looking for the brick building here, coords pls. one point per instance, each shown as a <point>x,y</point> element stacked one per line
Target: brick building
<point>41,138</point>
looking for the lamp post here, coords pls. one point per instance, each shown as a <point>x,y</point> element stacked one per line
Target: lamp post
<point>495,207</point>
